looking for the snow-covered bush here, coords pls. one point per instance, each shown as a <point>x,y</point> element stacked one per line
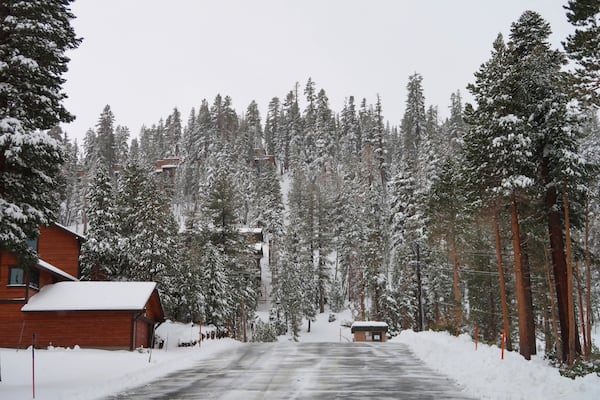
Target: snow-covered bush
<point>264,332</point>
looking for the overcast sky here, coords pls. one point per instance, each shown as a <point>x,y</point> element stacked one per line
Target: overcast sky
<point>145,57</point>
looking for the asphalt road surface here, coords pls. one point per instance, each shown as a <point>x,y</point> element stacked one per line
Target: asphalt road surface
<point>304,371</point>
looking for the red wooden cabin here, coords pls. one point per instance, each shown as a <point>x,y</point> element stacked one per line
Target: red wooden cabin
<point>57,273</point>
<point>101,314</point>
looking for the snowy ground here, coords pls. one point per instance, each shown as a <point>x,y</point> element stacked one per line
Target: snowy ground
<point>486,376</point>
<point>91,374</point>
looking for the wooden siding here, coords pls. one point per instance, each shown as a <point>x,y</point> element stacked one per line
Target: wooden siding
<point>143,332</point>
<point>367,336</point>
<point>95,329</point>
<point>59,248</point>
<point>9,292</point>
<point>154,309</point>
<point>11,325</point>
<point>98,329</point>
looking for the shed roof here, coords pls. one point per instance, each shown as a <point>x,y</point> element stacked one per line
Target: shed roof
<point>368,326</point>
<point>55,270</point>
<point>91,296</point>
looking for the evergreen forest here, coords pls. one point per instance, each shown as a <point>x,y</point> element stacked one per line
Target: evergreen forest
<point>486,221</point>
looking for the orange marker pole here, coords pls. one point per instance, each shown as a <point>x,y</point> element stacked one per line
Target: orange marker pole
<point>476,335</point>
<point>33,366</point>
<point>503,344</point>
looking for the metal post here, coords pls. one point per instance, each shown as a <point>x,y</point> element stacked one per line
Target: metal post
<point>33,366</point>
<point>200,334</point>
<point>503,339</point>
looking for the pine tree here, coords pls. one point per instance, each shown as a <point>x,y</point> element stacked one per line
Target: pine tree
<point>90,150</point>
<point>289,281</point>
<point>456,126</point>
<point>379,145</point>
<point>288,143</point>
<point>173,133</point>
<point>306,149</point>
<point>216,285</point>
<point>252,131</point>
<point>372,254</point>
<point>526,128</point>
<point>272,126</point>
<point>101,252</point>
<point>350,135</point>
<point>509,152</point>
<point>195,152</point>
<point>350,234</point>
<point>71,184</point>
<point>583,47</point>
<point>481,173</point>
<point>150,247</point>
<point>553,124</point>
<point>414,120</point>
<point>224,121</point>
<point>186,300</point>
<point>222,213</point>
<point>121,145</point>
<point>268,200</point>
<point>409,243</point>
<point>325,141</point>
<point>105,140</point>
<point>449,218</point>
<point>301,216</point>
<point>34,37</point>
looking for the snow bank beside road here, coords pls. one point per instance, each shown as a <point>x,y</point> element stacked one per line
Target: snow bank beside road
<point>86,374</point>
<point>486,376</point>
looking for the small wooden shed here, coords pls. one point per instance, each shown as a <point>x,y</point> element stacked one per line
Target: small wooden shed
<point>110,315</point>
<point>369,331</point>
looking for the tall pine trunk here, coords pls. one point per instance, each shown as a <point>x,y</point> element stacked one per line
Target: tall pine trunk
<point>588,278</point>
<point>528,296</point>
<point>523,313</point>
<point>570,303</point>
<point>503,298</point>
<point>552,307</point>
<point>559,264</point>
<point>581,309</point>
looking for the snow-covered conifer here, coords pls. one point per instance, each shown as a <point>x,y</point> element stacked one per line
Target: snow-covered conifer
<point>34,36</point>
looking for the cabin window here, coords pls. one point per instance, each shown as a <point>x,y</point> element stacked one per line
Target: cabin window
<point>34,278</point>
<point>377,336</point>
<point>33,243</point>
<point>16,276</point>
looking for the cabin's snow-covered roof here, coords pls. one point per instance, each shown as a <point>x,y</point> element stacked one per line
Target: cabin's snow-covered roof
<point>368,325</point>
<point>72,231</point>
<point>91,296</point>
<point>57,271</point>
<point>246,229</point>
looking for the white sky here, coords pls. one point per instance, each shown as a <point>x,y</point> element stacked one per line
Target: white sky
<point>145,57</point>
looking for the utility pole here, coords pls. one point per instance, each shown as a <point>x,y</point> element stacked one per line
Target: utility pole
<point>421,310</point>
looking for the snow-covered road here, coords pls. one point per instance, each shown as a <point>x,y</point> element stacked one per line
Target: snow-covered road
<point>304,371</point>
